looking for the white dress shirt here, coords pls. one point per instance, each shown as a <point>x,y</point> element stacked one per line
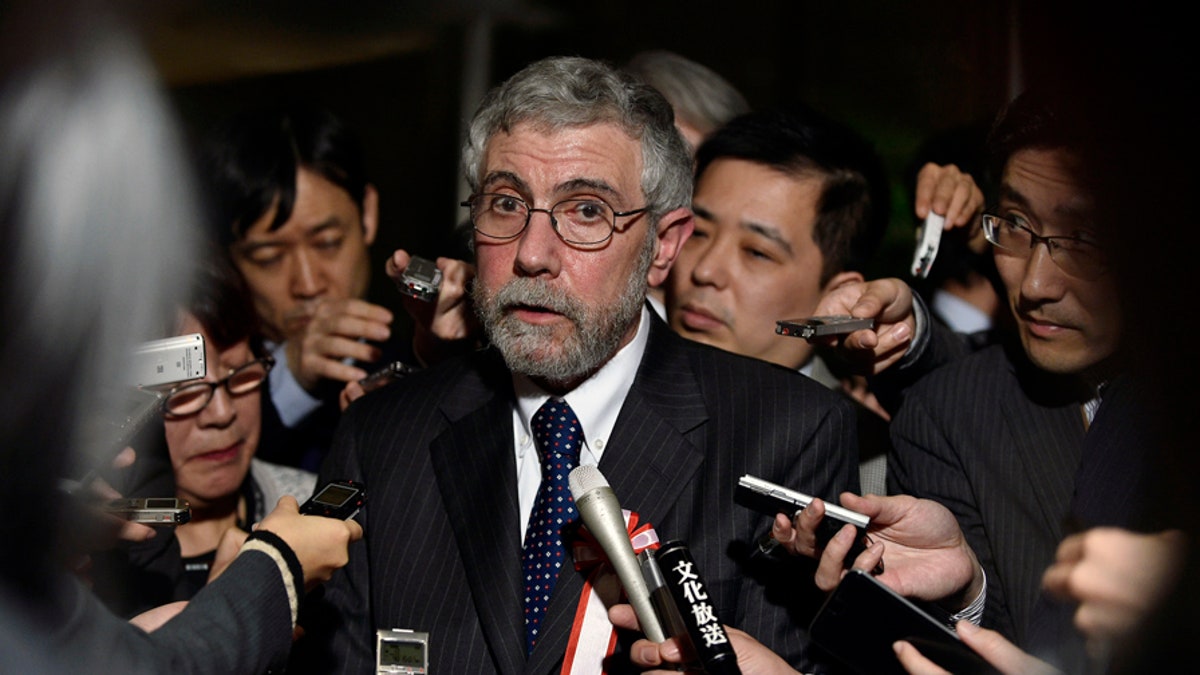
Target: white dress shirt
<point>596,403</point>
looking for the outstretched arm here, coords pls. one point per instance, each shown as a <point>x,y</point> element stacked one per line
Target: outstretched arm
<point>924,552</point>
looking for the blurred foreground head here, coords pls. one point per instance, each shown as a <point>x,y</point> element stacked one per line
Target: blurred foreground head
<point>96,231</point>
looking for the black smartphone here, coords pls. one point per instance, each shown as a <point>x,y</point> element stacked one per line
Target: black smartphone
<point>151,510</point>
<point>767,497</point>
<point>862,618</point>
<point>340,499</point>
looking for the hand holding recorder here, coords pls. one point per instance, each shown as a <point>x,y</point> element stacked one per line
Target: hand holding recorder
<point>771,499</point>
<point>927,556</point>
<point>946,198</point>
<point>320,544</point>
<point>445,320</point>
<point>356,389</point>
<point>890,303</point>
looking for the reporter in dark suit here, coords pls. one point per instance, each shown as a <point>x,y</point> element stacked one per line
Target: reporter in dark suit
<point>1028,442</point>
<point>581,191</point>
<point>291,203</point>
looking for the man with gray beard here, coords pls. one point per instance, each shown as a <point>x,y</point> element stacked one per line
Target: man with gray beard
<point>580,198</point>
<point>599,329</point>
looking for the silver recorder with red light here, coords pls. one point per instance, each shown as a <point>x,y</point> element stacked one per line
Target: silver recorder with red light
<point>151,511</point>
<point>816,326</point>
<point>421,279</point>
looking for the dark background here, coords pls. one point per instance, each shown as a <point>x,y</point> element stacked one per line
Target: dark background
<point>899,73</point>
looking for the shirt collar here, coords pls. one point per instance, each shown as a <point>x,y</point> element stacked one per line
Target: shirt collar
<point>598,400</point>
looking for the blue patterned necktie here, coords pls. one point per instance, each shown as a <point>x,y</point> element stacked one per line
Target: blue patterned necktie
<point>559,436</point>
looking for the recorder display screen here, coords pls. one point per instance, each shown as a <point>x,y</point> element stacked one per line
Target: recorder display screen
<point>335,495</point>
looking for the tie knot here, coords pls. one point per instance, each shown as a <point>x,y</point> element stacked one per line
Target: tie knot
<point>557,432</point>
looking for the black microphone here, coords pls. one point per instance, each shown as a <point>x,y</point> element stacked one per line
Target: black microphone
<point>708,636</point>
<point>597,505</point>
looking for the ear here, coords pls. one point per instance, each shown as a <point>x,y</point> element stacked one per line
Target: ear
<point>370,214</point>
<point>841,279</point>
<point>673,229</point>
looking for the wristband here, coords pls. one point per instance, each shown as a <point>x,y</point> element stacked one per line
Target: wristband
<point>278,550</point>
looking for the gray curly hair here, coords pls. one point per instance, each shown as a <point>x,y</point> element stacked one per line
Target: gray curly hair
<point>565,92</point>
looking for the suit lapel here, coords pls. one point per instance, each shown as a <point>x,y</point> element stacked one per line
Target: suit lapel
<point>1046,422</point>
<point>648,461</point>
<point>474,465</point>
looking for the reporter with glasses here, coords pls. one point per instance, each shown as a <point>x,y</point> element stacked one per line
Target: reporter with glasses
<point>1048,450</point>
<point>211,430</point>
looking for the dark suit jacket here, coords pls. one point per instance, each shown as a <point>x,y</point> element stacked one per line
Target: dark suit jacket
<point>442,550</point>
<point>240,623</point>
<point>998,443</point>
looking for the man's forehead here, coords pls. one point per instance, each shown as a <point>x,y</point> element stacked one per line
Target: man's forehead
<point>318,204</point>
<point>569,157</point>
<point>1048,182</point>
<point>501,178</point>
<point>291,230</point>
<point>760,199</point>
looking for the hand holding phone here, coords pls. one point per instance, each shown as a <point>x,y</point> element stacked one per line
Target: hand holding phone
<point>862,618</point>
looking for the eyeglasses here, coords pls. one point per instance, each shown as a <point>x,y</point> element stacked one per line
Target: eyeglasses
<point>189,399</point>
<point>580,222</point>
<point>1077,257</point>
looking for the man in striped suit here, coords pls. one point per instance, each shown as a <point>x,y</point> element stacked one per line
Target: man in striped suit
<point>581,194</point>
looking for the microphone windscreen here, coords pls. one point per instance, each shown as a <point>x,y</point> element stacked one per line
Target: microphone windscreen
<point>584,479</point>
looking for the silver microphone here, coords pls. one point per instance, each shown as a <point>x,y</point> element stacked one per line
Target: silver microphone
<point>597,505</point>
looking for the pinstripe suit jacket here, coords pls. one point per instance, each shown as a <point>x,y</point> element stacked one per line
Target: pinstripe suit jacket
<point>442,551</point>
<point>998,443</point>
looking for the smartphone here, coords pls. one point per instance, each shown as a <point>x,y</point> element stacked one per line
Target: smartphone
<point>340,499</point>
<point>861,619</point>
<point>151,510</point>
<point>816,326</point>
<point>421,279</point>
<point>767,497</point>
<point>386,375</point>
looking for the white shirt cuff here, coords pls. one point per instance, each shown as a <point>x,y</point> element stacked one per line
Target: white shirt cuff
<point>921,333</point>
